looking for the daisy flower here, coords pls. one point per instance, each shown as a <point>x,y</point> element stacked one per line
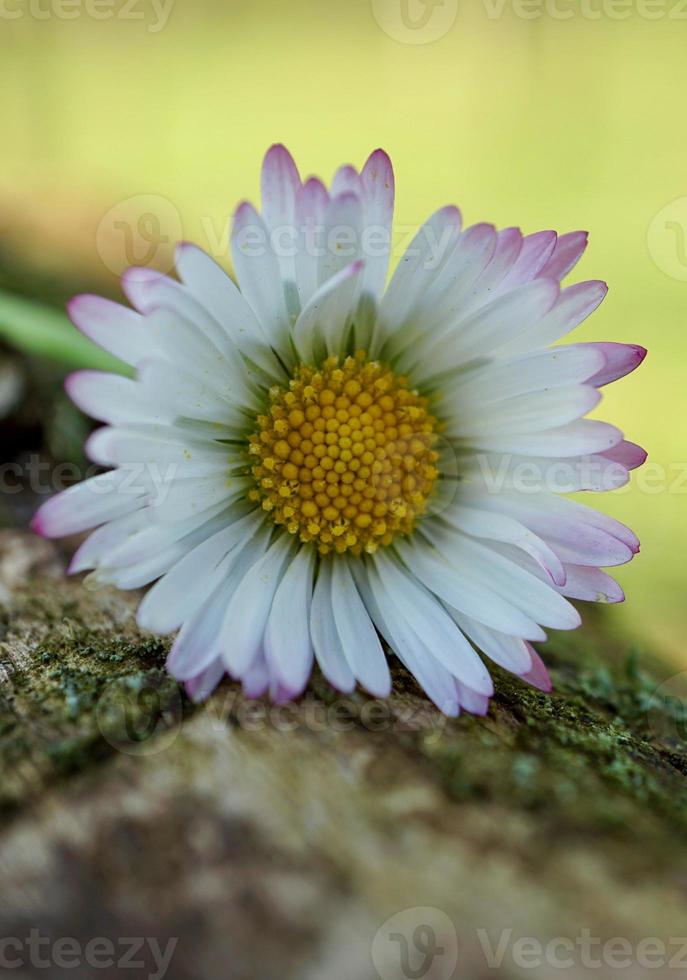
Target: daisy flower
<point>312,460</point>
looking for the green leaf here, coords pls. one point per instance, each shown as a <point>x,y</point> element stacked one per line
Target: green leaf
<point>41,330</point>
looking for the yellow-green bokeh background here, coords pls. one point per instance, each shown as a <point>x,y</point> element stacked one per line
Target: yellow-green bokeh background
<point>575,123</point>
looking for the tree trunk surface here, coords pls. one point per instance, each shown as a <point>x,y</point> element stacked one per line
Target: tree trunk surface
<point>336,839</point>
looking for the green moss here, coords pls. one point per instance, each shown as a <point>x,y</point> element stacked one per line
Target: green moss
<point>602,757</point>
<point>84,694</point>
<point>588,760</point>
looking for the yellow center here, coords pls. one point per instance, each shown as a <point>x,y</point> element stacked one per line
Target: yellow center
<point>345,455</point>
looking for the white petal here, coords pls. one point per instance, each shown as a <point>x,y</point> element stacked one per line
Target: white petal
<point>500,379</point>
<point>326,641</point>
<point>509,652</point>
<point>427,617</point>
<point>311,202</point>
<point>188,396</point>
<point>574,305</point>
<point>458,587</point>
<point>378,196</point>
<point>342,244</point>
<point>101,542</point>
<point>576,533</point>
<point>534,255</point>
<point>163,448</point>
<point>96,501</point>
<point>259,276</point>
<point>182,343</point>
<point>487,330</point>
<point>288,647</point>
<point>323,324</point>
<point>177,596</point>
<point>161,292</point>
<point>211,286</point>
<point>508,247</point>
<point>202,685</point>
<point>501,527</point>
<point>586,437</point>
<point>492,473</point>
<point>346,180</point>
<point>246,615</point>
<point>533,597</point>
<point>280,183</point>
<point>431,246</point>
<point>197,646</point>
<point>441,301</point>
<point>114,399</point>
<point>410,649</point>
<point>591,585</point>
<point>113,327</point>
<point>142,538</point>
<point>360,642</point>
<point>535,411</point>
<point>565,256</point>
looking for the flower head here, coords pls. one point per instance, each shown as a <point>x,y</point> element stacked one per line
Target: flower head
<point>309,462</point>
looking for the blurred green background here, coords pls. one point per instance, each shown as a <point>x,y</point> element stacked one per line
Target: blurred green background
<point>124,133</point>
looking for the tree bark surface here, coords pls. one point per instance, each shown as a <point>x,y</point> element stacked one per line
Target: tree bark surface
<point>279,843</point>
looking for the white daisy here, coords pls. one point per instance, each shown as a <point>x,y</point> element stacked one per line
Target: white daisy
<point>309,463</point>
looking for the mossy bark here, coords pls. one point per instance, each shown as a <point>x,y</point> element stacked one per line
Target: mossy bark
<point>276,843</point>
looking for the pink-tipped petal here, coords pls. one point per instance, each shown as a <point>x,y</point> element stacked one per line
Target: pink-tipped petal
<point>379,184</point>
<point>574,305</point>
<point>621,359</point>
<point>567,253</point>
<point>346,179</point>
<point>627,454</point>
<point>115,328</point>
<point>135,282</point>
<point>88,504</point>
<point>201,687</point>
<point>591,585</point>
<point>538,675</point>
<point>471,701</point>
<point>378,192</point>
<point>533,256</point>
<point>280,183</point>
